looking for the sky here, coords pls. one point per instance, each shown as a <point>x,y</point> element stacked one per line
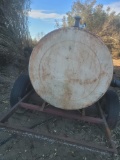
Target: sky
<point>44,13</point>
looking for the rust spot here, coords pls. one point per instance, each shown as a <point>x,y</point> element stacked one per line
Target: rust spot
<point>45,75</point>
<point>43,90</point>
<point>102,74</point>
<point>31,73</point>
<point>65,99</point>
<point>87,81</point>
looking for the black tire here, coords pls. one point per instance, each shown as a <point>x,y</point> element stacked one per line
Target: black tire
<point>111,108</point>
<point>20,88</point>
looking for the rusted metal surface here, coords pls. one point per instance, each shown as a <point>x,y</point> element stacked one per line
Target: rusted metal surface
<point>70,68</point>
<point>14,108</point>
<point>108,133</point>
<point>67,114</point>
<point>30,132</point>
<point>63,113</point>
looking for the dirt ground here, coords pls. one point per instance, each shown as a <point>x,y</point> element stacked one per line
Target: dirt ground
<point>21,147</point>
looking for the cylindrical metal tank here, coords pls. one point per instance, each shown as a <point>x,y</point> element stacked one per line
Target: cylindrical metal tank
<point>70,68</point>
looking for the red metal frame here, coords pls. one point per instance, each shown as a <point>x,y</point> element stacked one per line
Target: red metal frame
<point>59,112</point>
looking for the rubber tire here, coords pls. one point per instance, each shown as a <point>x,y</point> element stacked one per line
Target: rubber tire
<point>111,108</point>
<point>20,88</point>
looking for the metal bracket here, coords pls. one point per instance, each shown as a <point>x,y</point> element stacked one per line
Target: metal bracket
<point>63,113</point>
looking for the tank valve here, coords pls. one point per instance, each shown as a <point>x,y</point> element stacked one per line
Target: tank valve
<point>77,23</point>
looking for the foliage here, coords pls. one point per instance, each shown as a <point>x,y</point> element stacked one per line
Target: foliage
<point>14,33</point>
<point>103,23</point>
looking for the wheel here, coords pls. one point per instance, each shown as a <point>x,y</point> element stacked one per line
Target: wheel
<point>111,107</point>
<point>20,88</point>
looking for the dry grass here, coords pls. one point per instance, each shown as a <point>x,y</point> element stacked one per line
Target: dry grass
<point>116,62</point>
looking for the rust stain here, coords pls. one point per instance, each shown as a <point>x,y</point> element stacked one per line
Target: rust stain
<point>45,74</point>
<point>102,74</point>
<point>66,96</point>
<point>42,91</point>
<point>32,73</point>
<point>87,81</point>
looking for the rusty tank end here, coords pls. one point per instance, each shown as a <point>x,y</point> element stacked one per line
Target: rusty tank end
<point>70,68</point>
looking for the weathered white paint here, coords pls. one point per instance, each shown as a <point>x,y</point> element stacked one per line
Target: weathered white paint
<point>70,68</point>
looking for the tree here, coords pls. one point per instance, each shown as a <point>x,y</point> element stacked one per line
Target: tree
<point>103,23</point>
<point>14,34</point>
<point>39,36</point>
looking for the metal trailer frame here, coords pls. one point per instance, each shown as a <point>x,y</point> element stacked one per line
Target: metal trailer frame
<point>59,112</point>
